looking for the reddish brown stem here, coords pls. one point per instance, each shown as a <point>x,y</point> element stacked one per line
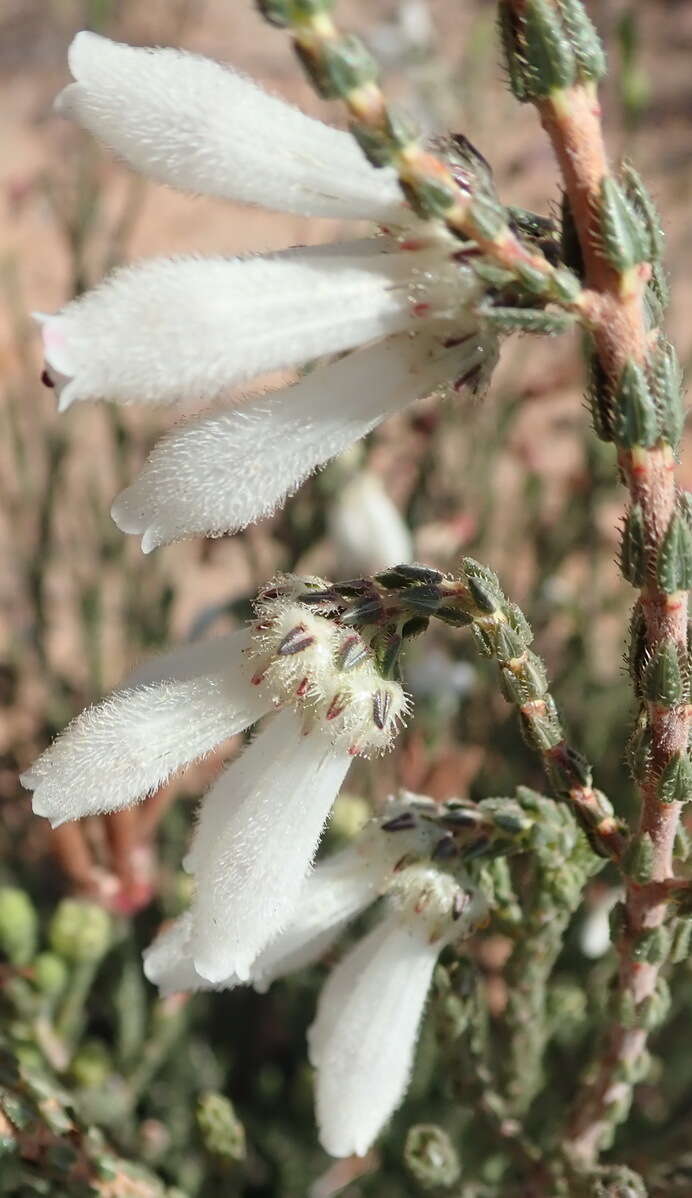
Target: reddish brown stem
<point>615,314</point>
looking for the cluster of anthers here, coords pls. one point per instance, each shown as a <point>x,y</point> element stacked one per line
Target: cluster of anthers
<point>325,669</point>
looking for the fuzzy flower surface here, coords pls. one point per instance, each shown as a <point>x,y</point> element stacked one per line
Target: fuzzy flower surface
<point>398,306</point>
<point>260,824</point>
<point>338,889</point>
<point>363,1040</point>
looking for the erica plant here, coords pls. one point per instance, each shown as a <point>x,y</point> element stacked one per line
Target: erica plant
<point>419,305</point>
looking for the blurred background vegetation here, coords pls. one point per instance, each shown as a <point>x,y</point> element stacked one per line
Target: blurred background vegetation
<point>95,1071</point>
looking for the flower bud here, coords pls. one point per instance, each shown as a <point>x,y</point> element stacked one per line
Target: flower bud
<point>92,1064</point>
<point>50,974</point>
<point>80,932</point>
<point>430,1157</point>
<point>18,925</point>
<point>222,1132</point>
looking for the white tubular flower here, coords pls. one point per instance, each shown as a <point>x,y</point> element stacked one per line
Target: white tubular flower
<point>337,890</point>
<point>367,528</point>
<point>189,660</point>
<point>261,822</point>
<point>257,834</point>
<point>189,328</point>
<point>124,748</point>
<point>202,127</point>
<point>220,472</point>
<point>363,1040</point>
<point>168,962</point>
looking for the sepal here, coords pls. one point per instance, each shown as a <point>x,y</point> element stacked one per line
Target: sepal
<point>623,240</point>
<point>675,783</point>
<point>674,565</point>
<point>635,420</point>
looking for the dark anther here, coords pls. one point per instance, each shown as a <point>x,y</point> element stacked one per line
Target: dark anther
<point>400,823</point>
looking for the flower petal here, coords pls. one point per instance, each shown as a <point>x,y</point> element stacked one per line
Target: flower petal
<point>364,1037</point>
<point>336,891</point>
<point>367,527</point>
<point>258,832</point>
<point>201,127</point>
<point>192,660</point>
<point>168,961</point>
<point>225,470</point>
<point>187,328</point>
<point>124,748</point>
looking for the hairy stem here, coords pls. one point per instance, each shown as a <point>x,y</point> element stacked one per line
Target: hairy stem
<point>614,309</point>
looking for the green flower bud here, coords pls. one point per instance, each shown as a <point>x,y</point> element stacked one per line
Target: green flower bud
<point>80,931</point>
<point>92,1064</point>
<point>50,974</point>
<point>18,925</point>
<point>430,1157</point>
<point>222,1132</point>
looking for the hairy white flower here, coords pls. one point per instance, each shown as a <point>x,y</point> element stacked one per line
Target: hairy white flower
<point>261,822</point>
<point>258,831</point>
<point>338,889</point>
<point>124,748</point>
<point>188,329</point>
<point>204,128</point>
<point>220,472</point>
<point>363,1040</point>
<point>367,528</point>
